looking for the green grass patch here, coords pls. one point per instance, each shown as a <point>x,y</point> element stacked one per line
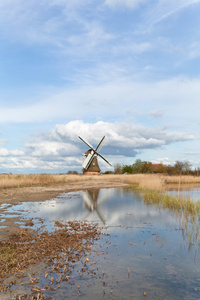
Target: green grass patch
<point>8,255</point>
<point>178,203</point>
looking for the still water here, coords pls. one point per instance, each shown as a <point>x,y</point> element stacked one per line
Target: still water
<point>147,253</point>
<point>187,190</point>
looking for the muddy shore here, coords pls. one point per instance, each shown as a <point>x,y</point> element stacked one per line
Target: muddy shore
<point>11,226</point>
<point>13,196</point>
<point>42,193</point>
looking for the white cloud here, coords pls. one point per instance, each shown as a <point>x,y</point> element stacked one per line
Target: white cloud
<point>128,3</point>
<point>177,97</point>
<point>61,24</point>
<point>163,160</point>
<point>164,9</point>
<point>130,47</point>
<point>60,149</point>
<point>156,114</point>
<point>6,152</point>
<point>3,142</point>
<point>120,135</point>
<point>45,148</point>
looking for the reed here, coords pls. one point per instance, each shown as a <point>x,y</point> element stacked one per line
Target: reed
<point>16,180</point>
<point>156,182</point>
<point>183,203</point>
<point>187,212</point>
<point>184,179</point>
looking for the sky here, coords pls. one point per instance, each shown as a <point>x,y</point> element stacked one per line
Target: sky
<point>125,69</point>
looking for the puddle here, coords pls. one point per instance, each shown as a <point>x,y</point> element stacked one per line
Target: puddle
<point>147,253</point>
<point>188,191</point>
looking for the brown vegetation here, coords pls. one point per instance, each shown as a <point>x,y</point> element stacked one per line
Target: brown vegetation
<point>150,181</point>
<point>60,250</point>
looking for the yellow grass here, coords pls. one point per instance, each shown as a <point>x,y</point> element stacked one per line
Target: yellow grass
<point>158,182</point>
<point>184,179</point>
<point>15,180</point>
<point>144,181</point>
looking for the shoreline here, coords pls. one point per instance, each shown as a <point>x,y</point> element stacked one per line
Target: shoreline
<point>13,196</point>
<point>43,193</point>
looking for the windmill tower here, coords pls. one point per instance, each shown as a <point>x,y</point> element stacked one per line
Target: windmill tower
<point>91,199</point>
<point>90,164</point>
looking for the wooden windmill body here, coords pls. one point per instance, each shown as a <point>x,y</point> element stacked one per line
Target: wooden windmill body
<point>93,168</point>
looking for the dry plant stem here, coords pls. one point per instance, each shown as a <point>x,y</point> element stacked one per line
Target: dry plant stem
<point>157,181</point>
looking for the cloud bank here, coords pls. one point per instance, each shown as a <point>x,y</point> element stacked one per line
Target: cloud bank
<point>61,149</point>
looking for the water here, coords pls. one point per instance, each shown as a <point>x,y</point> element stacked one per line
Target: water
<point>188,191</point>
<point>146,252</point>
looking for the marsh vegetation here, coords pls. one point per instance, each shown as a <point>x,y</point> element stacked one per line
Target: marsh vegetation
<point>149,181</point>
<point>137,216</point>
<point>60,250</point>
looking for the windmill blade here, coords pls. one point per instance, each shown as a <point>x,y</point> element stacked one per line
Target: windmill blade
<point>84,141</point>
<point>88,200</point>
<point>87,216</point>
<point>86,161</point>
<point>101,143</point>
<point>90,160</point>
<point>101,216</point>
<point>104,159</point>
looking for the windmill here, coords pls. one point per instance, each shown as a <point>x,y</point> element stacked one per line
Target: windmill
<point>90,198</point>
<point>90,164</point>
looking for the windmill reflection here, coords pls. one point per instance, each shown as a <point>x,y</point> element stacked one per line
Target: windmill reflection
<point>93,202</point>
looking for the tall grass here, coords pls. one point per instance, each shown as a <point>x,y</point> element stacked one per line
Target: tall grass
<point>13,180</point>
<point>144,181</point>
<point>160,182</point>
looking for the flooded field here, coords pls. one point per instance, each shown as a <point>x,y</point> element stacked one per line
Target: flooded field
<point>146,251</point>
<point>190,191</point>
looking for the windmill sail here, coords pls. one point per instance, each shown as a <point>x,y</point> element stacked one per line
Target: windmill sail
<point>84,141</point>
<point>90,164</point>
<point>87,160</point>
<point>104,159</point>
<point>101,143</point>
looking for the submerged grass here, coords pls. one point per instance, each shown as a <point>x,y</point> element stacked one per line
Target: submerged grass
<point>153,190</point>
<point>187,211</point>
<point>183,203</point>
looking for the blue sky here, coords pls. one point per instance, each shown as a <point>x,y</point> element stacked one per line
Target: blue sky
<point>127,69</point>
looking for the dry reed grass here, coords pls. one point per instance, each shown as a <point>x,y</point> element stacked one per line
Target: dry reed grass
<point>160,182</point>
<point>182,179</point>
<point>16,180</point>
<point>144,181</point>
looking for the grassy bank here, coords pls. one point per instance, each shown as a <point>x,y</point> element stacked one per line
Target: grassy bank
<point>16,180</point>
<point>144,181</point>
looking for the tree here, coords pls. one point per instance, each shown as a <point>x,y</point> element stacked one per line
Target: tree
<point>183,166</point>
<point>72,172</point>
<point>137,166</point>
<point>179,166</point>
<point>187,166</point>
<point>118,169</point>
<point>146,167</point>
<point>127,169</point>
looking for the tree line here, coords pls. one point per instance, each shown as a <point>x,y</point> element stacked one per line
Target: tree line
<point>139,166</point>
